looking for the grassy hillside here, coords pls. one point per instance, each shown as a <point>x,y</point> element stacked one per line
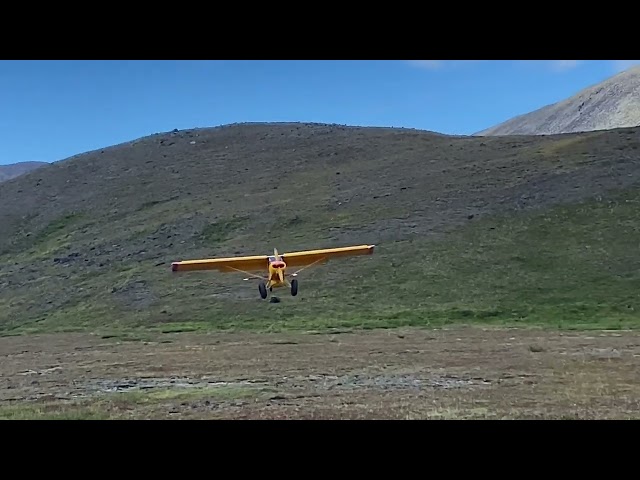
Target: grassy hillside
<point>527,230</point>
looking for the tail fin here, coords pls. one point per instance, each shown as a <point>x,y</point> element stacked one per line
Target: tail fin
<point>275,253</point>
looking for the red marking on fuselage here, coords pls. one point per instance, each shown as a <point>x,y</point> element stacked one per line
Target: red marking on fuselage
<point>274,268</point>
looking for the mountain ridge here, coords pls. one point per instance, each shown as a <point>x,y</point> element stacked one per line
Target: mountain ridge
<point>612,103</point>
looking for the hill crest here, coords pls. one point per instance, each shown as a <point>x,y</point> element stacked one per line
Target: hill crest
<point>14,170</point>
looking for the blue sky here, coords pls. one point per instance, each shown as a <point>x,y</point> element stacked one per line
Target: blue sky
<point>52,110</point>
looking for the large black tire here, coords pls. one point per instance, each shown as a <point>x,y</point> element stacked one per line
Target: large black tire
<point>263,290</point>
<point>294,287</point>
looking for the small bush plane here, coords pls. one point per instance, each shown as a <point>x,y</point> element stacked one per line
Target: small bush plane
<point>275,265</point>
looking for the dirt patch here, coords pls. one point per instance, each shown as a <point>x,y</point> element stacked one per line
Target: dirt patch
<point>408,373</point>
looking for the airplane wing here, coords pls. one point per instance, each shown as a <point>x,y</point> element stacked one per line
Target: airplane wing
<point>230,264</point>
<point>308,257</point>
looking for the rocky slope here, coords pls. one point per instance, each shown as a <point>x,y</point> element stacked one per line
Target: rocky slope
<point>613,103</point>
<point>13,170</point>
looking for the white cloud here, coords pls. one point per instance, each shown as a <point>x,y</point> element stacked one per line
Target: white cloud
<point>428,64</point>
<point>621,65</point>
<point>556,66</point>
<point>440,64</point>
<point>564,65</point>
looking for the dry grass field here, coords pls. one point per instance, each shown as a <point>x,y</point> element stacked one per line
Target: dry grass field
<point>456,373</point>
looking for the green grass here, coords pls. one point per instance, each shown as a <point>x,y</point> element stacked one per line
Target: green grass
<point>220,231</point>
<point>572,266</point>
<point>52,411</point>
<point>119,405</point>
<point>158,396</point>
<point>54,235</point>
<point>569,267</point>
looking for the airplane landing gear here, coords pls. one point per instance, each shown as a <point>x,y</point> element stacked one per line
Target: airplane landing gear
<point>263,290</point>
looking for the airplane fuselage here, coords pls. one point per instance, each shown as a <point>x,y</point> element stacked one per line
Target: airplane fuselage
<point>277,270</point>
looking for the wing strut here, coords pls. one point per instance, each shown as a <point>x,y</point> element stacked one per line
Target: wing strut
<point>246,273</point>
<point>307,266</point>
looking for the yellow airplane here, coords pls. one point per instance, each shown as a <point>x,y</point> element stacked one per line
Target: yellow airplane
<point>275,265</point>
